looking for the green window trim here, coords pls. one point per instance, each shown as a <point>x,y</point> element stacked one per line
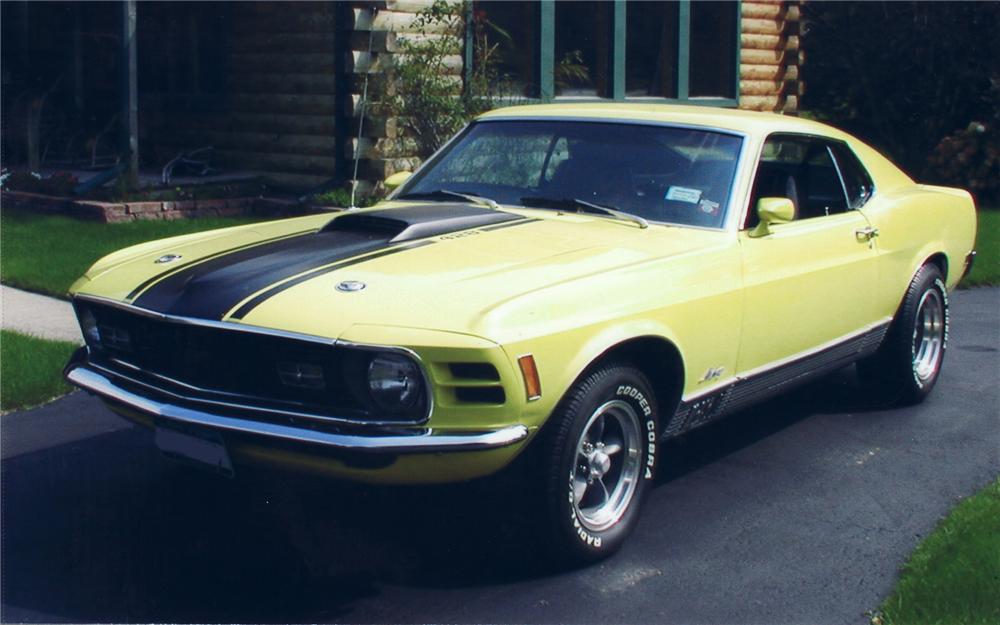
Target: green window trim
<point>546,59</point>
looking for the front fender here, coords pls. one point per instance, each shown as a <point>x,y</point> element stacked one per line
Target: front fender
<point>562,359</point>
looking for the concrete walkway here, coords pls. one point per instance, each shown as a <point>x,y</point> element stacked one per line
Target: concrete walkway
<point>41,316</point>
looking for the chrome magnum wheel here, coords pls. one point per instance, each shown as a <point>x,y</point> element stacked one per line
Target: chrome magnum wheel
<point>598,454</point>
<point>928,335</point>
<point>607,469</point>
<point>907,365</point>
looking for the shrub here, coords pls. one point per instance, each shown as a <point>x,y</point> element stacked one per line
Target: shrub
<point>342,198</point>
<point>423,91</point>
<point>970,159</point>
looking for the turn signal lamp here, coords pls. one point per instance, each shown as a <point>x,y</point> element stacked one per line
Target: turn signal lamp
<point>530,373</point>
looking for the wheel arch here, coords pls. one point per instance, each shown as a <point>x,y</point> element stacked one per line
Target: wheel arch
<point>940,259</point>
<point>657,357</point>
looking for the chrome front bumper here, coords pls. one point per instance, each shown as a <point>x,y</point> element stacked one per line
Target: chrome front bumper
<point>424,440</point>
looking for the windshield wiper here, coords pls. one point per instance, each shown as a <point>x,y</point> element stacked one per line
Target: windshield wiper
<point>583,206</point>
<point>448,194</point>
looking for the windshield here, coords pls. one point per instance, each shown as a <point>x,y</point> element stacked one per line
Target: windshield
<point>664,174</point>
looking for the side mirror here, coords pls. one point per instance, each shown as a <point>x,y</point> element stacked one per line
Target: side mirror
<point>772,210</point>
<point>396,179</point>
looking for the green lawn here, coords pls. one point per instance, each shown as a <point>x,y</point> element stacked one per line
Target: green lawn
<point>47,253</point>
<point>31,369</point>
<point>954,574</point>
<point>986,270</point>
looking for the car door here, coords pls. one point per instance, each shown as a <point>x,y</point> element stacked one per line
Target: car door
<point>810,282</point>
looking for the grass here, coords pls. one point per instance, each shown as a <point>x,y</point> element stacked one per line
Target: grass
<point>954,574</point>
<point>47,253</point>
<point>986,270</point>
<point>31,369</point>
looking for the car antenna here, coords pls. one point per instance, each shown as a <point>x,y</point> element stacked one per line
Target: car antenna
<point>364,107</point>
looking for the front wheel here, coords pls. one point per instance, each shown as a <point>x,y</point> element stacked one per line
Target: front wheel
<point>599,456</point>
<point>908,363</point>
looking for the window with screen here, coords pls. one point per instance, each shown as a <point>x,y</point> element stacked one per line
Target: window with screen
<point>679,51</point>
<point>651,47</point>
<point>713,49</point>
<point>582,49</point>
<point>510,31</point>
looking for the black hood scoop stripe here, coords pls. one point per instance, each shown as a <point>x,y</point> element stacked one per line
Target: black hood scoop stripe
<point>211,288</point>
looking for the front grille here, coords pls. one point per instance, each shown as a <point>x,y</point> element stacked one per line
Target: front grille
<point>214,363</point>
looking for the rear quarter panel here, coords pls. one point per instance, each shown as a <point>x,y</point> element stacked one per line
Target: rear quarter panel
<point>915,222</point>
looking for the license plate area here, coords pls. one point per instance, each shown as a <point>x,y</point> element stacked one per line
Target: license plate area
<point>195,445</point>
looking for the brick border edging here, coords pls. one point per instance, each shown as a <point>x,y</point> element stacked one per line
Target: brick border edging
<point>118,212</point>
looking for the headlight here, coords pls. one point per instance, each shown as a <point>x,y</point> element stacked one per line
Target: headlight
<point>88,325</point>
<point>394,381</point>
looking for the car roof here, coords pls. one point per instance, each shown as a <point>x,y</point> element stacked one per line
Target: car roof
<point>748,122</point>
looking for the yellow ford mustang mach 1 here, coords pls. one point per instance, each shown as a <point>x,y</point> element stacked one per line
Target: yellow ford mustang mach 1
<point>568,285</point>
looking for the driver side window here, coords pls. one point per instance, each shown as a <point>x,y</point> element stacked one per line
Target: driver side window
<point>803,170</point>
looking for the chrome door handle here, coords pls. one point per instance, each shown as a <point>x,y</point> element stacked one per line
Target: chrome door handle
<point>866,234</point>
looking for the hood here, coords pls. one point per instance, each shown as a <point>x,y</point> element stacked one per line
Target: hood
<point>450,267</point>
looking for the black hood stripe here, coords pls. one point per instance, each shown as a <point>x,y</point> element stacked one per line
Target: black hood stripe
<point>260,298</point>
<point>212,287</point>
<point>142,287</point>
<point>257,300</point>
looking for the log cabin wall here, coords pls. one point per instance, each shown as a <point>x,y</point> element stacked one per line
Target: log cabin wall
<point>278,114</point>
<point>372,40</point>
<point>770,56</point>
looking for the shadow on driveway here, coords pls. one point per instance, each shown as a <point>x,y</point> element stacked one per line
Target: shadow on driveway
<point>102,529</point>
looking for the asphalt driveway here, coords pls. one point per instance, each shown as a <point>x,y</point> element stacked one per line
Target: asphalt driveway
<point>799,510</point>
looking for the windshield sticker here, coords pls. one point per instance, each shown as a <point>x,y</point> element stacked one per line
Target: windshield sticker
<point>708,206</point>
<point>683,194</point>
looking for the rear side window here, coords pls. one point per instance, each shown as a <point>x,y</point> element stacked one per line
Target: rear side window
<point>857,182</point>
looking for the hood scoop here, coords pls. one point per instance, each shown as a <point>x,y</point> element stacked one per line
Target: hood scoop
<point>418,222</point>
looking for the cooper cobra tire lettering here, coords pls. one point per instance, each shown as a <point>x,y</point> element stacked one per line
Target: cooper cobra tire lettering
<point>636,394</point>
<point>651,449</point>
<point>944,296</point>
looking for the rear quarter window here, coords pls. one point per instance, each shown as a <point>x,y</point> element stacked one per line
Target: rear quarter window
<point>857,182</point>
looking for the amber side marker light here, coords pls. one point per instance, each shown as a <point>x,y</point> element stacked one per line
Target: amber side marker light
<point>530,373</point>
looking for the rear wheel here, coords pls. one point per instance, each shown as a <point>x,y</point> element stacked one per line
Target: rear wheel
<point>908,363</point>
<point>599,456</point>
